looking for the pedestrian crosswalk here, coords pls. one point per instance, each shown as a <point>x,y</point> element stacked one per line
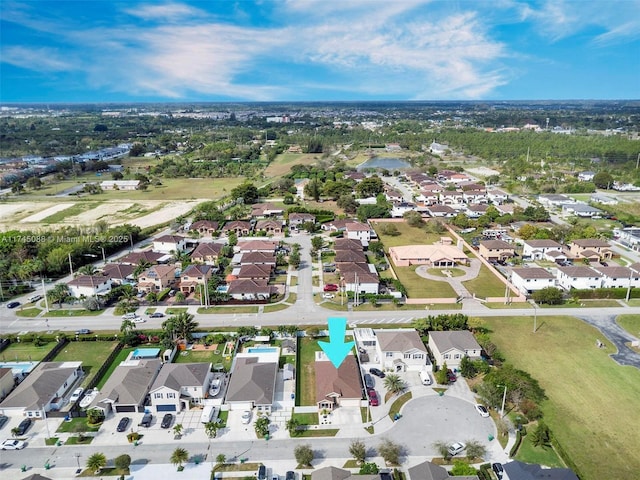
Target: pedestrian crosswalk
<point>378,321</point>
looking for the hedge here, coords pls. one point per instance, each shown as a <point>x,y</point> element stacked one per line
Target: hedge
<point>484,472</point>
<point>615,293</point>
<point>162,295</point>
<point>516,445</point>
<point>564,456</point>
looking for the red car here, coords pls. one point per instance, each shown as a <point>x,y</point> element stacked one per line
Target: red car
<point>373,398</point>
<point>451,376</point>
<point>331,287</point>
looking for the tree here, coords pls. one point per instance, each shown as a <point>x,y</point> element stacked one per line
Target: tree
<point>182,325</point>
<point>441,375</point>
<point>96,462</point>
<point>475,449</point>
<point>87,270</point>
<point>34,183</point>
<point>369,468</point>
<point>442,448</point>
<point>394,384</point>
<point>303,455</point>
<point>15,431</point>
<point>178,457</point>
<point>248,192</point>
<point>17,188</point>
<point>548,295</point>
<point>541,435</point>
<point>461,468</point>
<point>370,187</point>
<point>117,175</point>
<point>122,462</point>
<point>603,180</point>
<point>127,326</point>
<point>293,425</point>
<point>413,218</point>
<point>348,204</point>
<point>358,450</point>
<point>211,430</point>
<point>261,426</point>
<point>95,416</point>
<point>467,368</point>
<point>317,242</point>
<point>294,259</point>
<point>177,429</point>
<point>221,459</point>
<point>92,304</point>
<point>313,189</point>
<point>390,451</point>
<point>59,294</point>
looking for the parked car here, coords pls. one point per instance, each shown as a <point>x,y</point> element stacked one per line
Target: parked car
<point>129,316</point>
<point>13,304</point>
<point>75,396</point>
<point>331,287</point>
<point>156,315</point>
<point>373,398</point>
<point>83,331</point>
<point>328,296</point>
<point>246,417</point>
<point>425,378</point>
<point>13,445</point>
<point>146,420</point>
<point>456,448</point>
<point>368,381</point>
<point>24,426</point>
<point>167,420</point>
<point>377,372</point>
<point>3,419</point>
<point>138,320</point>
<point>498,470</point>
<point>290,475</point>
<point>123,424</point>
<point>262,472</point>
<point>482,410</point>
<point>451,376</point>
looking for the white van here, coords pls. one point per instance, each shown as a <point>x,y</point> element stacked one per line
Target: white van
<point>425,378</point>
<point>34,298</point>
<point>207,413</point>
<point>129,316</point>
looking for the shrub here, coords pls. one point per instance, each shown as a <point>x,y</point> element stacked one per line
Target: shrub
<point>122,462</point>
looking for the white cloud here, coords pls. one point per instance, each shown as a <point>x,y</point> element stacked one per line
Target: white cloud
<point>43,59</point>
<point>168,12</point>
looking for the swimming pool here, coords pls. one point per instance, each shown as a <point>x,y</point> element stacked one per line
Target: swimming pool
<point>19,367</point>
<point>145,353</point>
<point>262,349</point>
<point>222,288</point>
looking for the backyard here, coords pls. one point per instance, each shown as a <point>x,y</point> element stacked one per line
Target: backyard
<point>584,387</point>
<point>92,355</point>
<point>306,386</point>
<point>206,356</point>
<point>408,235</point>
<point>26,352</point>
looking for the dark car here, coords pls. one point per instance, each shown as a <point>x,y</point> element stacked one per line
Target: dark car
<point>377,372</point>
<point>368,381</point>
<point>451,376</point>
<point>146,420</point>
<point>290,475</point>
<point>262,472</point>
<point>3,419</point>
<point>24,426</point>
<point>83,331</point>
<point>156,315</point>
<point>13,304</point>
<point>167,420</point>
<point>497,468</point>
<point>373,398</point>
<point>123,424</point>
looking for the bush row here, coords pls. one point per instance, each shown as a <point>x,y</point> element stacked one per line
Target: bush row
<point>516,445</point>
<point>484,472</point>
<point>564,456</point>
<point>615,293</point>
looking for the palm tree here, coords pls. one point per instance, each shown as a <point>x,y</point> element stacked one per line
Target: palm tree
<point>87,270</point>
<point>96,461</point>
<point>179,456</point>
<point>177,429</point>
<point>59,293</point>
<point>15,432</point>
<point>394,384</point>
<point>184,325</point>
<point>211,429</point>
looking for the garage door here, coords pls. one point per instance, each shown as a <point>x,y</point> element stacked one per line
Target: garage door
<point>125,408</point>
<point>166,408</point>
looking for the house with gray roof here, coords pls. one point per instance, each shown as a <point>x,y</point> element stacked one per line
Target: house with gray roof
<point>431,471</point>
<point>179,386</point>
<point>515,470</point>
<point>128,387</point>
<point>253,381</point>
<point>452,346</point>
<point>401,350</point>
<point>335,473</point>
<point>43,389</point>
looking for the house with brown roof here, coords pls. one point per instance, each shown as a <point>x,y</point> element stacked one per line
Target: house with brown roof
<point>529,280</point>
<point>89,286</point>
<point>539,249</point>
<point>263,210</point>
<point>208,253</point>
<point>347,244</point>
<point>441,211</point>
<point>239,227</point>
<point>591,248</point>
<point>270,227</point>
<point>337,387</point>
<point>157,278</point>
<point>170,244</point>
<point>204,227</point>
<point>246,246</point>
<point>296,220</point>
<point>350,256</point>
<point>254,272</point>
<point>193,276</point>
<point>119,273</point>
<point>250,289</point>
<point>335,225</point>
<point>618,277</point>
<point>496,250</point>
<point>258,258</point>
<point>147,256</point>
<point>358,231</point>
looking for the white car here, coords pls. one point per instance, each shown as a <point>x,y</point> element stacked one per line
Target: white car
<point>129,316</point>
<point>76,394</point>
<point>138,320</point>
<point>482,410</point>
<point>456,448</point>
<point>328,296</point>
<point>13,445</point>
<point>246,417</point>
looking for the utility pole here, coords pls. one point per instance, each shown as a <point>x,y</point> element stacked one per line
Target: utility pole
<point>70,265</point>
<point>44,294</point>
<point>504,398</point>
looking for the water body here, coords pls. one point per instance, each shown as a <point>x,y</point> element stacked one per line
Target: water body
<point>388,163</point>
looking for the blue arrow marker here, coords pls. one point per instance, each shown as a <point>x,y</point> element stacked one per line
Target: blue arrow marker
<point>337,349</point>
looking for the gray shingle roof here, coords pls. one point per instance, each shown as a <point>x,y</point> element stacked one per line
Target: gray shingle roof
<point>130,383</point>
<point>399,341</point>
<point>252,381</point>
<point>178,375</point>
<point>460,339</point>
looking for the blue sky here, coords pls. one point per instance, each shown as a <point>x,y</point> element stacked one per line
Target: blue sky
<point>305,50</point>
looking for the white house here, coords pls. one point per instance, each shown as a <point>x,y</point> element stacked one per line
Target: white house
<point>361,282</point>
<point>538,249</point>
<point>528,280</point>
<point>618,277</point>
<point>89,285</point>
<point>452,346</point>
<point>497,196</point>
<point>120,185</point>
<point>578,277</point>
<point>179,386</point>
<point>586,176</point>
<point>401,350</point>
<point>170,244</point>
<point>358,231</point>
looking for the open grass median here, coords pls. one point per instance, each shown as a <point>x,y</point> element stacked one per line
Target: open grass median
<point>592,400</point>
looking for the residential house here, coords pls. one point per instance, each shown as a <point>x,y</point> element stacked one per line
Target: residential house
<point>438,148</point>
<point>393,195</point>
<point>170,244</point>
<point>516,470</point>
<point>629,237</point>
<point>496,250</point>
<point>270,227</point>
<point>335,225</point>
<point>586,176</point>
<point>347,244</point>
<point>475,196</point>
<point>249,290</point>
<point>430,471</point>
<point>254,272</point>
<point>539,249</point>
<point>258,258</point>
<point>451,197</point>
<point>581,210</point>
<point>452,346</point>
<point>207,253</point>
<point>263,210</point>
<point>240,227</point>
<point>193,276</point>
<point>554,200</point>
<point>127,388</point>
<point>428,196</point>
<point>89,286</point>
<point>119,273</point>
<point>618,277</point>
<point>441,211</point>
<point>204,227</point>
<point>353,280</point>
<point>253,381</point>
<point>335,473</point>
<point>247,246</point>
<point>7,382</point>
<point>157,278</point>
<point>529,280</point>
<point>43,389</point>
<point>590,248</point>
<point>358,231</point>
<point>350,256</point>
<point>296,220</point>
<point>180,386</point>
<point>401,350</point>
<point>579,278</point>
<point>136,258</point>
<point>476,210</point>
<point>603,199</point>
<point>337,387</point>
<point>400,208</point>
<point>496,196</point>
<point>438,255</point>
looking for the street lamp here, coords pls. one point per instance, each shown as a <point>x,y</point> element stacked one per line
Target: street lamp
<point>504,398</point>
<point>535,316</point>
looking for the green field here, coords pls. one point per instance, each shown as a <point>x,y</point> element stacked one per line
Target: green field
<point>283,163</point>
<point>485,284</point>
<point>92,355</point>
<point>631,323</point>
<point>593,402</point>
<point>25,352</point>
<point>419,287</point>
<point>71,211</point>
<point>306,377</point>
<point>408,235</point>
<point>542,455</point>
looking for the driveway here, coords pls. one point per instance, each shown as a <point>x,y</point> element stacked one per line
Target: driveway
<point>617,335</point>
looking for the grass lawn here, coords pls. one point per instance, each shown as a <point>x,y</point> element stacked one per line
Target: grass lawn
<point>199,356</point>
<point>28,312</point>
<point>306,418</point>
<point>282,164</point>
<point>228,310</point>
<point>544,456</point>
<point>92,355</point>
<point>454,272</point>
<point>294,281</point>
<point>292,298</point>
<point>306,387</point>
<point>71,211</point>
<point>323,432</point>
<point>79,441</point>
<point>602,302</point>
<point>631,323</point>
<point>121,357</point>
<point>25,352</point>
<point>275,308</point>
<point>592,400</point>
<point>75,425</point>
<point>408,235</point>
<point>81,312</point>
<point>419,287</point>
<point>485,284</point>
<point>501,305</point>
<point>398,403</point>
